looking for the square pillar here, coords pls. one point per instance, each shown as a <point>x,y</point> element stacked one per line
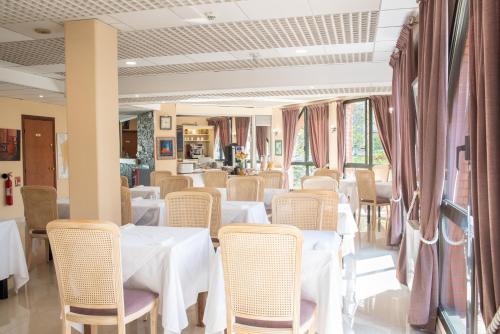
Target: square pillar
<point>93,129</point>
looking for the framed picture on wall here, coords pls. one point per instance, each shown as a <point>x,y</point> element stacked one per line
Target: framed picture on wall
<point>165,148</point>
<point>278,147</point>
<point>10,145</point>
<point>166,122</point>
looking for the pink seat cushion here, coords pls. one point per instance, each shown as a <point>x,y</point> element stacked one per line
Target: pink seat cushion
<point>134,300</point>
<point>380,200</point>
<point>307,309</point>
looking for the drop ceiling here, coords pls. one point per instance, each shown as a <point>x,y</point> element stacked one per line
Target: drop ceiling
<point>221,52</point>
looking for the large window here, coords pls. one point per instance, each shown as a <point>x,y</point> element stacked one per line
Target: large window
<point>362,142</point>
<point>302,163</point>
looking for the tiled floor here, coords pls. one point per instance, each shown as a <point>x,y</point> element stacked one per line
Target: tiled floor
<point>382,303</point>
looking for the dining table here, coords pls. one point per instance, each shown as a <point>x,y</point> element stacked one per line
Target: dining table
<point>320,283</point>
<point>12,258</point>
<point>173,262</point>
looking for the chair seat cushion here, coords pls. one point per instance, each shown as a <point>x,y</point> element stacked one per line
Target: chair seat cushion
<point>307,309</point>
<point>134,300</point>
<point>380,200</point>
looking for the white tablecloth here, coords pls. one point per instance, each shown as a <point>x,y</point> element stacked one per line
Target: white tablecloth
<point>149,212</point>
<point>12,259</point>
<point>320,281</point>
<point>349,188</point>
<point>147,192</point>
<point>243,212</point>
<point>173,262</point>
<point>269,193</point>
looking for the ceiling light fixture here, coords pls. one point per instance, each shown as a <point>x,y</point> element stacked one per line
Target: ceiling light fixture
<point>42,31</point>
<point>301,51</point>
<point>40,96</point>
<point>136,95</point>
<point>131,62</point>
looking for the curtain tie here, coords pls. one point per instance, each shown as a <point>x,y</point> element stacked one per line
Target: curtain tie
<point>495,323</point>
<point>433,240</point>
<point>451,242</point>
<point>395,200</point>
<point>416,193</point>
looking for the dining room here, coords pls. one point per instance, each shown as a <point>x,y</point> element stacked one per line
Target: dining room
<point>249,166</point>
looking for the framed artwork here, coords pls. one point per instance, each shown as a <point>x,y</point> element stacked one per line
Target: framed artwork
<point>10,145</point>
<point>166,122</point>
<point>278,147</point>
<point>62,155</point>
<point>165,148</point>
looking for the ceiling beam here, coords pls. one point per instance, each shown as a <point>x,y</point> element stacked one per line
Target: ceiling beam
<point>31,80</point>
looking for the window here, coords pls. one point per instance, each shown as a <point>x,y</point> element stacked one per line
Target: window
<point>363,146</point>
<point>302,164</point>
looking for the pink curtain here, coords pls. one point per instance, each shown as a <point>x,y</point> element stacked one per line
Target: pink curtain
<point>290,118</point>
<point>242,126</point>
<point>432,120</point>
<point>262,133</point>
<point>318,128</point>
<point>485,149</point>
<point>383,118</point>
<point>340,136</point>
<point>221,126</point>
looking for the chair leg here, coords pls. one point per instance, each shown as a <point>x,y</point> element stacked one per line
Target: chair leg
<point>374,217</point>
<point>121,328</point>
<point>93,329</point>
<point>379,217</point>
<point>47,250</point>
<point>153,319</point>
<point>312,329</point>
<point>66,327</point>
<point>28,244</point>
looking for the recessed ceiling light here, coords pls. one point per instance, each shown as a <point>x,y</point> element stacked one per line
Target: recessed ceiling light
<point>301,51</point>
<point>136,95</point>
<point>42,31</point>
<point>40,96</point>
<point>311,87</point>
<point>131,62</point>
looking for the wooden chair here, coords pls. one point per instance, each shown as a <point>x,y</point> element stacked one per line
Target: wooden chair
<point>262,279</point>
<point>189,209</point>
<point>126,204</point>
<point>215,178</point>
<point>319,182</point>
<point>273,179</point>
<point>381,172</point>
<point>87,260</point>
<point>330,207</point>
<point>303,210</point>
<point>124,181</point>
<point>40,208</point>
<point>333,173</point>
<point>245,188</point>
<point>367,194</point>
<point>155,177</point>
<point>170,184</point>
<point>215,220</point>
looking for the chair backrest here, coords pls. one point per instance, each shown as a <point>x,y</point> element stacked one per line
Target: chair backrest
<point>126,200</point>
<point>330,207</point>
<point>40,206</point>
<point>155,177</point>
<point>381,172</point>
<point>87,261</point>
<point>262,267</point>
<point>245,188</point>
<point>365,182</point>
<point>189,209</point>
<point>170,184</point>
<point>303,210</point>
<point>215,220</point>
<point>273,179</point>
<point>333,173</point>
<point>124,181</point>
<point>319,182</point>
<point>215,178</point>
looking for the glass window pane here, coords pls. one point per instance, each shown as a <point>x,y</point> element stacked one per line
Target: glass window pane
<point>299,149</point>
<point>298,171</point>
<point>355,136</point>
<point>378,153</point>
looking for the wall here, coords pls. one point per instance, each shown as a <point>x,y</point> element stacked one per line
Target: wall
<point>192,120</point>
<point>11,111</point>
<point>165,110</point>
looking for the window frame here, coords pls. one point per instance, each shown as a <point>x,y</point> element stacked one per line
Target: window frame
<point>368,135</point>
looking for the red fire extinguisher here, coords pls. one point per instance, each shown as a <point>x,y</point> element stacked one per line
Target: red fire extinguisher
<point>9,198</point>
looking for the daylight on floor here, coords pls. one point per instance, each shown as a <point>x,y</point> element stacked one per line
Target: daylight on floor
<point>249,166</point>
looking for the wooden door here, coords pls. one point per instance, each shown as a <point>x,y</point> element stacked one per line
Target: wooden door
<point>129,144</point>
<point>39,160</point>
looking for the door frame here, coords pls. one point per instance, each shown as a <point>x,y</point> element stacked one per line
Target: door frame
<point>39,118</point>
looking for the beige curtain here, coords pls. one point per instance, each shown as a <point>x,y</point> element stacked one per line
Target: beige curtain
<point>432,120</point>
<point>485,149</point>
<point>318,128</point>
